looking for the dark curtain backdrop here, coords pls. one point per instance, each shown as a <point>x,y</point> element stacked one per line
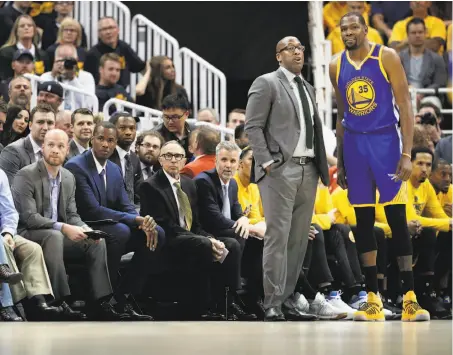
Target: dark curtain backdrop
<point>238,38</point>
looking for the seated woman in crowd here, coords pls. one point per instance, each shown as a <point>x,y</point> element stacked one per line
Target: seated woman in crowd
<point>16,125</point>
<point>158,82</point>
<point>70,32</point>
<point>23,36</point>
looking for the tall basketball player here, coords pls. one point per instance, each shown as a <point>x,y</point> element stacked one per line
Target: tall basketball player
<point>372,97</point>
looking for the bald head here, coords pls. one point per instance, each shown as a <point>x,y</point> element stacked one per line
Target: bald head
<point>285,41</point>
<point>55,147</point>
<point>290,54</point>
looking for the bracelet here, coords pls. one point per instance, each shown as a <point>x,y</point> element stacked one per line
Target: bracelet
<point>407,155</point>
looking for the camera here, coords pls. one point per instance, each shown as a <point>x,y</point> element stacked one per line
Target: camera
<point>428,119</point>
<point>70,63</point>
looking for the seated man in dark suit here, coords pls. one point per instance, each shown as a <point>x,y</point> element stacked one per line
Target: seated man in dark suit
<point>204,152</point>
<point>124,157</point>
<point>172,200</point>
<point>220,211</point>
<point>147,148</point>
<point>82,121</point>
<point>101,195</point>
<point>27,150</point>
<point>44,195</point>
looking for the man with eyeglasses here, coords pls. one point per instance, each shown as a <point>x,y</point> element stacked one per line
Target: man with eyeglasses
<point>285,133</point>
<point>176,110</point>
<point>109,42</point>
<point>147,148</point>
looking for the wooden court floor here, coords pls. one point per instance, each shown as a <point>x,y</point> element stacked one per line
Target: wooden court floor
<point>235,338</point>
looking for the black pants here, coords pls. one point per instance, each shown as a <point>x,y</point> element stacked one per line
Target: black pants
<point>424,247</point>
<point>315,261</point>
<point>443,254</point>
<point>336,239</point>
<point>252,267</point>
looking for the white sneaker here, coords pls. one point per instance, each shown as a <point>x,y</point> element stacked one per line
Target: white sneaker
<point>338,304</point>
<point>324,310</point>
<point>356,301</point>
<point>299,302</point>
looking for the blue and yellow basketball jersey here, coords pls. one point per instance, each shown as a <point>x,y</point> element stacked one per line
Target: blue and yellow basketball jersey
<point>368,99</point>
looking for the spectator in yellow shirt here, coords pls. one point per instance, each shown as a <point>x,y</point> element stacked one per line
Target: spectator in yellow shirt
<point>435,29</point>
<point>333,11</point>
<point>335,35</point>
<point>440,178</point>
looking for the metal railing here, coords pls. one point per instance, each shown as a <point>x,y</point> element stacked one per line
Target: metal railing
<point>152,118</point>
<point>88,14</point>
<point>415,91</point>
<point>88,100</point>
<point>204,83</point>
<point>148,40</point>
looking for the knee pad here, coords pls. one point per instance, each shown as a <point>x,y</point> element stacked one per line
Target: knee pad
<point>396,218</point>
<point>364,237</point>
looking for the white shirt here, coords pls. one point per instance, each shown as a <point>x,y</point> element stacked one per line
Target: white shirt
<point>32,50</point>
<point>301,148</point>
<point>122,154</point>
<point>172,181</point>
<point>99,168</point>
<point>83,81</point>
<point>79,147</point>
<point>36,148</point>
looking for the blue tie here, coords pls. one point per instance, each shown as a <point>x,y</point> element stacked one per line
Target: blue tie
<point>226,210</point>
<point>101,176</point>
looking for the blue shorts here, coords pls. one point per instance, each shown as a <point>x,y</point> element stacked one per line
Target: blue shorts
<point>370,161</point>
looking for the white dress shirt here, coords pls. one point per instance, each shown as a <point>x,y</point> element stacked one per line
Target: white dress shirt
<point>172,181</point>
<point>79,147</point>
<point>122,154</point>
<point>99,168</point>
<point>36,149</point>
<point>21,47</point>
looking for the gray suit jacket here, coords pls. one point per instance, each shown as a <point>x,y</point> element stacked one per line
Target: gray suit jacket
<point>31,195</point>
<point>433,72</point>
<point>273,126</point>
<point>15,156</point>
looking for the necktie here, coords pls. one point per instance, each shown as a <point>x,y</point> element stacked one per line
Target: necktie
<point>147,171</point>
<point>54,199</point>
<point>226,209</point>
<point>39,155</point>
<point>184,205</point>
<point>101,177</point>
<point>129,178</point>
<point>307,114</point>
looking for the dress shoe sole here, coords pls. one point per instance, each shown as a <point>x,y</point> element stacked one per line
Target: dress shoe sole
<point>275,319</point>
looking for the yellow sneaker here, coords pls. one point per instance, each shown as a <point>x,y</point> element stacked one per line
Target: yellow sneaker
<point>412,312</point>
<point>371,310</point>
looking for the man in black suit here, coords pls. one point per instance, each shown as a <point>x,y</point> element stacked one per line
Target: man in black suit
<point>82,121</point>
<point>172,200</point>
<point>124,157</point>
<point>147,148</point>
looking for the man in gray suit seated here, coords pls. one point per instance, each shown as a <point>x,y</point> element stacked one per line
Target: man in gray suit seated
<point>44,195</point>
<point>82,121</point>
<point>27,150</point>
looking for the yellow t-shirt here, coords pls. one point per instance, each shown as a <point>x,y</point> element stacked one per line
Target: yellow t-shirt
<point>337,42</point>
<point>249,197</point>
<point>435,27</point>
<point>333,11</point>
<point>323,204</point>
<point>445,199</point>
<point>425,207</point>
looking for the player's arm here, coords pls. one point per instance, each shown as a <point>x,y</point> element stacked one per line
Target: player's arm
<point>397,77</point>
<point>341,180</point>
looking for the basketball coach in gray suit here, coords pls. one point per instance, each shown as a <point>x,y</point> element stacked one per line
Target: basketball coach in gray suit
<point>285,132</point>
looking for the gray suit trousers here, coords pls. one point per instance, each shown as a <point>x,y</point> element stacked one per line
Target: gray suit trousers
<point>27,258</point>
<point>288,193</point>
<point>57,248</point>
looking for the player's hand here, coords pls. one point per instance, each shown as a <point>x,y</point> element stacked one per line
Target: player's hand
<point>404,169</point>
<point>341,177</point>
<point>414,227</point>
<point>268,169</point>
<point>312,233</point>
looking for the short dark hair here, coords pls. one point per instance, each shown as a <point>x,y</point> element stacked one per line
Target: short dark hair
<point>238,110</point>
<point>207,140</point>
<point>239,130</point>
<point>434,107</point>
<point>151,133</point>
<point>45,108</point>
<point>105,125</point>
<point>358,15</point>
<point>415,21</point>
<point>417,150</point>
<point>4,107</point>
<point>81,111</point>
<point>175,101</point>
<point>439,162</point>
<point>117,115</point>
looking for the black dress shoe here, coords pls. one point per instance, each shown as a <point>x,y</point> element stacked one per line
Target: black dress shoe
<point>274,314</point>
<point>106,312</point>
<point>43,312</point>
<point>70,315</point>
<point>9,277</point>
<point>241,314</point>
<point>8,314</point>
<point>296,315</point>
<point>127,308</point>
<point>212,316</point>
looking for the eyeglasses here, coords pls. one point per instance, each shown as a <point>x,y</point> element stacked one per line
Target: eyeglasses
<point>110,28</point>
<point>169,156</point>
<point>69,30</point>
<point>292,49</point>
<point>149,146</point>
<point>174,117</point>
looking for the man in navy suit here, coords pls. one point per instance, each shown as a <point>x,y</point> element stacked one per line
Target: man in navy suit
<point>101,195</point>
